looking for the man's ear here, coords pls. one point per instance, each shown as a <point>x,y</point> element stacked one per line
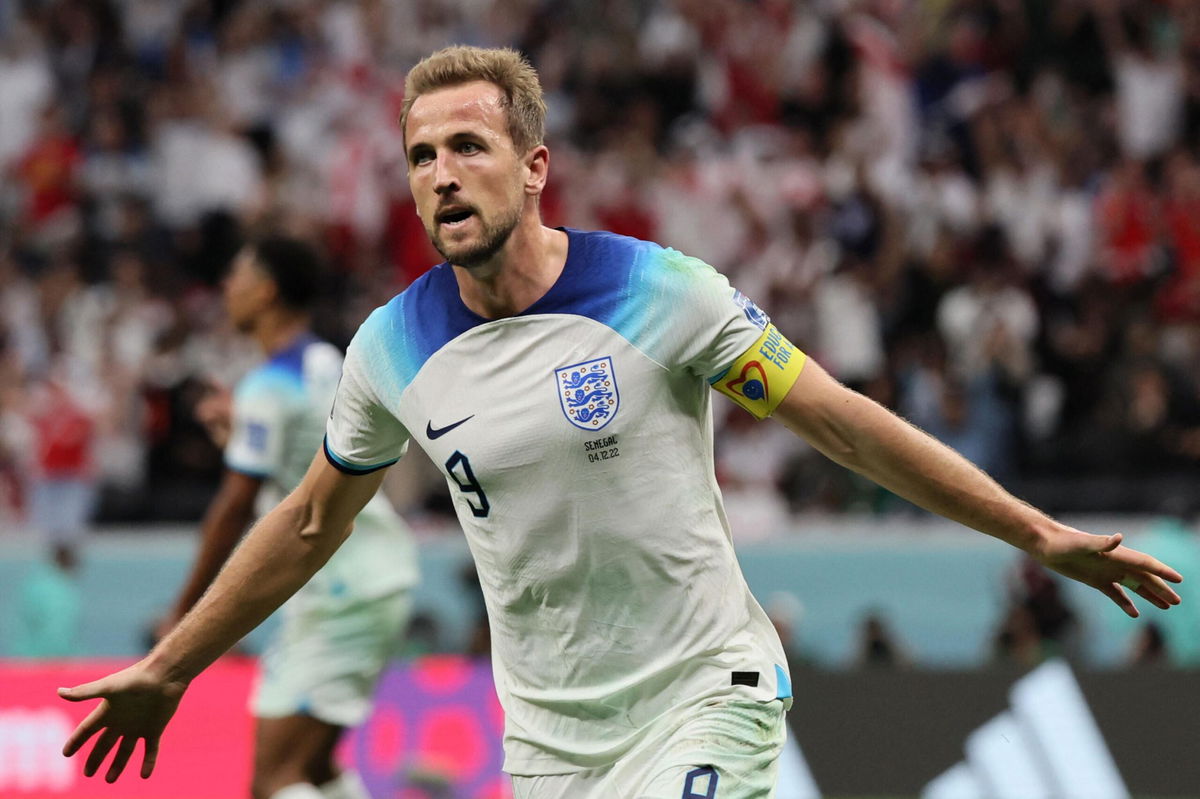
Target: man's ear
<point>537,164</point>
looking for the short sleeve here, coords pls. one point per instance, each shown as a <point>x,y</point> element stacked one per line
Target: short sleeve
<point>718,333</point>
<point>701,323</point>
<point>257,428</point>
<point>362,435</point>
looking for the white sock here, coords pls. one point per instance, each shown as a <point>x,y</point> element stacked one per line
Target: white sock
<point>347,785</point>
<point>299,790</point>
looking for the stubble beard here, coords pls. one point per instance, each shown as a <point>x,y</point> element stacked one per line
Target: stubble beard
<point>493,238</point>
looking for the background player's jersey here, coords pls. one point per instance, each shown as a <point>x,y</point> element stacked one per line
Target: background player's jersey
<point>279,413</point>
<point>577,442</point>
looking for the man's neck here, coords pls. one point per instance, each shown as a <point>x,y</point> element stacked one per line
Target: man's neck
<point>276,331</point>
<point>520,274</point>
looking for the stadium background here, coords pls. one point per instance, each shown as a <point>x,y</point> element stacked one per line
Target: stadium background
<point>983,213</point>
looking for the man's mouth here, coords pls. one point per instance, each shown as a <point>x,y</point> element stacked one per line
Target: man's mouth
<point>454,216</point>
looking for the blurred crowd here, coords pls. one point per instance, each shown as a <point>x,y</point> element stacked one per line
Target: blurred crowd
<point>983,213</point>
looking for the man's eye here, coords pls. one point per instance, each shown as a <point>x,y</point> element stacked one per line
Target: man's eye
<point>421,158</point>
<point>469,147</point>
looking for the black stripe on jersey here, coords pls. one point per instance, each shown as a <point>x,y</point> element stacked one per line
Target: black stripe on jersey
<point>346,468</point>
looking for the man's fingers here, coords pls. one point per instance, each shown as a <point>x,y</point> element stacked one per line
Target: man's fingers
<point>149,757</point>
<point>1148,577</point>
<point>1109,544</point>
<point>1154,566</point>
<point>104,745</point>
<point>86,729</point>
<point>1157,586</point>
<point>80,693</point>
<point>1117,595</point>
<point>1152,588</point>
<point>1154,599</point>
<point>1165,572</point>
<point>1143,562</point>
<point>121,758</point>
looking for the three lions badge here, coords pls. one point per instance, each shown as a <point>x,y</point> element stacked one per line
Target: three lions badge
<point>587,393</point>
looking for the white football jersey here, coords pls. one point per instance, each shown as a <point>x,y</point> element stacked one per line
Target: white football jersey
<point>576,439</point>
<point>279,413</point>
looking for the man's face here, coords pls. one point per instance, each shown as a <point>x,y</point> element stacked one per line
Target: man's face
<point>467,179</point>
<point>248,291</point>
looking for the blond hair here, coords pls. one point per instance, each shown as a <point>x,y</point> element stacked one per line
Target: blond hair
<point>502,66</point>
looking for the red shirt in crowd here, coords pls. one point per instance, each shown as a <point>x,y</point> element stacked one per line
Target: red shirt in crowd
<point>64,433</point>
<point>48,171</point>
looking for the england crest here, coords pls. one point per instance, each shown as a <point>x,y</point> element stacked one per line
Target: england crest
<point>588,393</point>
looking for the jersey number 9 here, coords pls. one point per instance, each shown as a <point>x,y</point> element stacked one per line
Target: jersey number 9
<point>458,466</point>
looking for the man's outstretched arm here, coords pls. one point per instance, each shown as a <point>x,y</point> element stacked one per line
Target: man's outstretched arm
<point>275,559</point>
<point>864,436</point>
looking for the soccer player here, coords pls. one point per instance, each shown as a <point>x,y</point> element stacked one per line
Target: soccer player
<point>562,380</point>
<point>338,631</point>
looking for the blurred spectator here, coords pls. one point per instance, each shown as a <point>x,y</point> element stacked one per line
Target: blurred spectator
<point>942,195</point>
<point>49,607</point>
<point>1069,42</point>
<point>877,645</point>
<point>1071,229</point>
<point>990,323</point>
<point>1021,188</point>
<point>201,162</point>
<point>20,322</point>
<point>1037,624</point>
<point>1081,341</point>
<point>26,88</point>
<point>1142,44</point>
<point>1127,225</point>
<point>62,478</point>
<point>424,636</point>
<point>113,169</point>
<point>972,418</point>
<point>1149,646</point>
<point>47,171</point>
<point>1179,299</point>
<point>12,439</point>
<point>1017,640</point>
<point>849,335</point>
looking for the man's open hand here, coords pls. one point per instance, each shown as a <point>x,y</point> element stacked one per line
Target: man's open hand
<point>136,705</point>
<point>1103,563</point>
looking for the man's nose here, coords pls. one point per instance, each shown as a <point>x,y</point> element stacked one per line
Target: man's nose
<point>445,178</point>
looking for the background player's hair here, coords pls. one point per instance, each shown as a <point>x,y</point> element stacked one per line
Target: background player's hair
<point>294,266</point>
<point>502,66</point>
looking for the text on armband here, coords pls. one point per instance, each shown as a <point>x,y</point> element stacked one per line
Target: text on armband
<point>775,348</point>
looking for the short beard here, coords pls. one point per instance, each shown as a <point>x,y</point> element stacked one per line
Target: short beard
<point>495,236</point>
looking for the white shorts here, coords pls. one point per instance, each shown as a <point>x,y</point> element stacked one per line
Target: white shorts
<point>727,750</point>
<point>326,659</point>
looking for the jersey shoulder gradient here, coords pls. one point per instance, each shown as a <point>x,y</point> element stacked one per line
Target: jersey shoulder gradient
<point>677,310</point>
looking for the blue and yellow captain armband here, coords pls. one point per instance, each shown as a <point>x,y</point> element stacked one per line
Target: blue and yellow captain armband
<point>763,375</point>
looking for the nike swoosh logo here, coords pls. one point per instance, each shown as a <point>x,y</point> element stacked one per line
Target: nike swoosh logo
<point>441,431</point>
